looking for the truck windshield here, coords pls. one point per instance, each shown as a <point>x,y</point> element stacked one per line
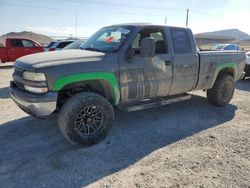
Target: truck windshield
<point>108,39</point>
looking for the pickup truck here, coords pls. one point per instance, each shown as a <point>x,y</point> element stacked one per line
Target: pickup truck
<point>18,47</point>
<point>128,67</point>
<point>247,67</point>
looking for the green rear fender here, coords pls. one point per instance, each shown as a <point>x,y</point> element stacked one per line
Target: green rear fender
<point>220,68</point>
<point>107,76</point>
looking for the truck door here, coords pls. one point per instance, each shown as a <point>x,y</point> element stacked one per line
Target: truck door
<point>143,77</point>
<point>185,60</point>
<point>30,47</point>
<point>15,49</point>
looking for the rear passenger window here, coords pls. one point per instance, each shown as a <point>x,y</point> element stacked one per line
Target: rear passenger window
<point>16,43</point>
<point>63,44</point>
<point>181,41</point>
<point>50,45</point>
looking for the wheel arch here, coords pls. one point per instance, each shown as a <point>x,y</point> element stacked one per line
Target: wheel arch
<point>104,84</point>
<point>227,68</point>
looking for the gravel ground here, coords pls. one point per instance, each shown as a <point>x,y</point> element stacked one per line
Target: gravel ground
<point>187,144</point>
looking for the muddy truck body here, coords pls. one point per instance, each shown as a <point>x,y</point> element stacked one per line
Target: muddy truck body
<point>128,67</point>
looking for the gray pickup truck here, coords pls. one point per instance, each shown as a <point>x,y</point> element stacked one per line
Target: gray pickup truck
<point>129,67</point>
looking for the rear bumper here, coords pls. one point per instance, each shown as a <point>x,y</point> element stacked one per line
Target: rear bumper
<point>38,105</point>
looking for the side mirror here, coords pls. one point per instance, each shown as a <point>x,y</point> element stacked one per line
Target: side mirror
<point>148,47</point>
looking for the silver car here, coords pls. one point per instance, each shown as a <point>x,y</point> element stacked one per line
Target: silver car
<point>57,45</point>
<point>222,47</point>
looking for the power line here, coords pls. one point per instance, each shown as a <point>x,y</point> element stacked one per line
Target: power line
<point>203,13</point>
<point>113,12</point>
<point>142,7</point>
<point>133,6</point>
<point>83,11</point>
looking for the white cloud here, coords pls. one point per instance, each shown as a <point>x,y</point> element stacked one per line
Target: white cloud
<point>63,31</point>
<point>233,16</point>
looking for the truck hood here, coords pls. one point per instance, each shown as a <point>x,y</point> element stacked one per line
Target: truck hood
<point>54,58</point>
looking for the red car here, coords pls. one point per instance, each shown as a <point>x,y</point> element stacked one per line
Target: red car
<point>18,47</point>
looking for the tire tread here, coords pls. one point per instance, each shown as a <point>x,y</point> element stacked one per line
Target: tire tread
<point>213,93</point>
<point>67,111</point>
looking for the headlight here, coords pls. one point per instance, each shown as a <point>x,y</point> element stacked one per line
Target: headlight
<point>33,76</point>
<point>36,89</point>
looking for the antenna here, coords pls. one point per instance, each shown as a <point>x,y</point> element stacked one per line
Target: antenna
<point>187,17</point>
<point>76,27</point>
<point>166,18</point>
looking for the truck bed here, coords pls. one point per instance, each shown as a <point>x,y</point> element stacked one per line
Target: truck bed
<point>210,62</point>
<point>3,55</point>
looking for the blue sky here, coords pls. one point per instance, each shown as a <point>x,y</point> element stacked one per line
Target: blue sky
<point>57,17</point>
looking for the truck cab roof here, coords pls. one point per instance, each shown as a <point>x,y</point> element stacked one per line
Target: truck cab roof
<point>144,25</point>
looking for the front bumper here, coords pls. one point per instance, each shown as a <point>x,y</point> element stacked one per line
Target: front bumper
<point>38,105</point>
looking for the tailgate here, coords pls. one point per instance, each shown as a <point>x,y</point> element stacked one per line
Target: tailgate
<point>3,55</point>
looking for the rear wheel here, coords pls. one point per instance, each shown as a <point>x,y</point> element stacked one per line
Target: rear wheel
<point>222,91</point>
<point>86,118</point>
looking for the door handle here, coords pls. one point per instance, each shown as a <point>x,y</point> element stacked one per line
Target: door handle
<point>168,62</point>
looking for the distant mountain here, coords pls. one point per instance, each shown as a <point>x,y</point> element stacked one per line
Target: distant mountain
<point>43,39</point>
<point>236,33</point>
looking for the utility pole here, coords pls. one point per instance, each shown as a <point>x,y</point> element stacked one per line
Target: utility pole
<point>187,17</point>
<point>76,27</point>
<point>166,18</point>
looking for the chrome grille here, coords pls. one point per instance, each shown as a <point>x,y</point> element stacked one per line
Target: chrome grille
<point>18,72</point>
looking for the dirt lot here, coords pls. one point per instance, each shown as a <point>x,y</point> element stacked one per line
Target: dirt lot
<point>185,144</point>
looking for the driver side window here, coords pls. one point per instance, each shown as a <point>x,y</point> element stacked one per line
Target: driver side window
<point>230,47</point>
<point>160,42</point>
<point>28,43</point>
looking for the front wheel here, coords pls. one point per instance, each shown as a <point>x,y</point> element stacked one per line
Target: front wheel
<point>222,91</point>
<point>86,118</point>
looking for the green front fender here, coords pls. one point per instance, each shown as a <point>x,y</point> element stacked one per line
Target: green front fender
<point>107,76</point>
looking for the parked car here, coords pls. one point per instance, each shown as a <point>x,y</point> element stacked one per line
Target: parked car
<point>18,47</point>
<point>226,47</point>
<point>57,45</point>
<point>247,67</point>
<point>130,67</point>
<point>75,45</point>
